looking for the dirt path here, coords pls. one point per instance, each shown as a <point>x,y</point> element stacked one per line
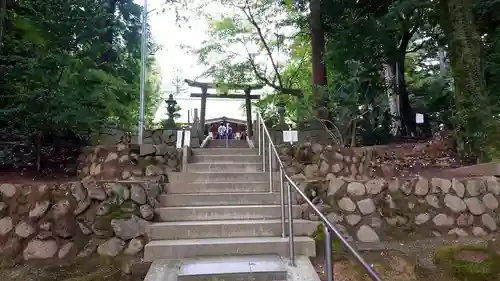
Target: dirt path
<point>393,266</point>
<point>88,269</point>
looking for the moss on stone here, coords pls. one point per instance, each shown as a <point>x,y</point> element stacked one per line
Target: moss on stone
<point>338,250</point>
<point>115,212</point>
<point>318,234</point>
<point>487,269</point>
<point>118,214</point>
<point>399,199</point>
<point>143,163</point>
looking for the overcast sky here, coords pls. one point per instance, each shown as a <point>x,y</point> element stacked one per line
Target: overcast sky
<point>170,37</point>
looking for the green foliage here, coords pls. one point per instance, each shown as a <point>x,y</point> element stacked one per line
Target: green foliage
<point>361,37</point>
<point>261,30</point>
<point>432,92</point>
<point>72,65</point>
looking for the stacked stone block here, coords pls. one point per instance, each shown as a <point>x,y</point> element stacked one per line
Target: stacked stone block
<point>343,184</point>
<point>129,162</point>
<point>77,219</point>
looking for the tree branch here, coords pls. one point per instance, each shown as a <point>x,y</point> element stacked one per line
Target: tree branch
<point>289,91</point>
<point>251,60</point>
<point>248,13</point>
<point>296,72</point>
<point>280,87</point>
<point>338,140</point>
<point>407,35</point>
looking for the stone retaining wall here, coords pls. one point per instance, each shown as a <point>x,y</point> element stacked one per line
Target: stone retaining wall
<point>74,220</point>
<point>352,187</point>
<point>158,137</point>
<point>379,209</point>
<point>372,161</point>
<point>129,162</point>
<point>315,161</point>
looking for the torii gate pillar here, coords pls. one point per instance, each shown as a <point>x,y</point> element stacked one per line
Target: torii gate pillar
<point>248,105</point>
<point>203,110</point>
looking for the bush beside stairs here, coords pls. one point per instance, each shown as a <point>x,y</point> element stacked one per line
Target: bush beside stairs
<point>219,221</point>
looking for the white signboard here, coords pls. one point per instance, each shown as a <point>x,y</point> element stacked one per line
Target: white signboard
<point>187,138</point>
<point>179,139</point>
<point>419,118</point>
<point>290,136</point>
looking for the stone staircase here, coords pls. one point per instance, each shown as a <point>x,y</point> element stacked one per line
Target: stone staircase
<point>219,220</point>
<point>231,143</point>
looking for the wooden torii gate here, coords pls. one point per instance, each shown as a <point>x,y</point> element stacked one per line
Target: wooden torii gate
<point>204,86</point>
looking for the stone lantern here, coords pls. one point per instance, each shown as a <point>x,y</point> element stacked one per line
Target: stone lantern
<point>281,112</point>
<point>169,123</point>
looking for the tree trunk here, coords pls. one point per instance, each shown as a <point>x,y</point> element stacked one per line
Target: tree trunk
<point>408,125</point>
<point>319,79</point>
<point>443,67</point>
<point>353,133</point>
<point>476,130</point>
<point>3,12</point>
<point>107,37</point>
<point>38,151</point>
<point>393,99</point>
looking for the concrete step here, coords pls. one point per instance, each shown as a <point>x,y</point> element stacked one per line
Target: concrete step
<point>220,199</point>
<point>226,228</point>
<point>222,187</point>
<point>228,176</point>
<point>232,268</point>
<point>223,145</point>
<point>226,159</point>
<point>225,151</point>
<point>235,268</point>
<point>224,167</point>
<point>236,212</point>
<point>230,143</point>
<point>188,248</point>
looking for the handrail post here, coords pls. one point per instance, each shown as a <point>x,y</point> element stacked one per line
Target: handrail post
<point>282,195</point>
<point>328,254</point>
<point>367,267</point>
<point>329,228</point>
<point>270,161</point>
<point>259,133</point>
<point>290,226</point>
<point>263,149</point>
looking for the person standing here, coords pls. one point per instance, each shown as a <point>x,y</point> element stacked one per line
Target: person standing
<point>229,131</point>
<point>221,131</point>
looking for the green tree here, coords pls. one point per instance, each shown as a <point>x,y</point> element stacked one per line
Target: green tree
<point>264,36</point>
<point>386,60</point>
<point>71,66</point>
<point>476,126</point>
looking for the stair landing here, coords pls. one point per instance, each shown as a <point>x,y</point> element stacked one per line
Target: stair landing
<point>239,268</point>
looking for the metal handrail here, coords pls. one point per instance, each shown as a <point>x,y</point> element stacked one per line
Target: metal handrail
<point>328,227</point>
